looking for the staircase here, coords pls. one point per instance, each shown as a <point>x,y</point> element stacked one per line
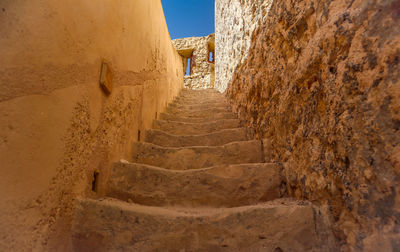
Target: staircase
<point>197,183</point>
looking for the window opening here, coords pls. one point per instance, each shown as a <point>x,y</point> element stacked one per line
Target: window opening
<point>189,67</point>
<point>95,181</point>
<point>211,58</point>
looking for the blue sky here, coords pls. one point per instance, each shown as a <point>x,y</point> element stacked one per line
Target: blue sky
<point>189,18</point>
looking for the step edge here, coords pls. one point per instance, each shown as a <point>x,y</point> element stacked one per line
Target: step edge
<point>200,135</point>
<point>193,123</point>
<point>130,165</point>
<point>194,212</point>
<point>198,147</point>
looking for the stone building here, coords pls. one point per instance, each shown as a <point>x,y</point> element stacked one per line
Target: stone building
<point>199,54</point>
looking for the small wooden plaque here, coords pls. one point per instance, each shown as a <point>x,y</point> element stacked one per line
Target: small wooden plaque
<point>106,77</point>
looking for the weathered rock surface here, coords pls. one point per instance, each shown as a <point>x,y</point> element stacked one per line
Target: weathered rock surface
<point>321,85</point>
<point>235,22</point>
<point>218,186</point>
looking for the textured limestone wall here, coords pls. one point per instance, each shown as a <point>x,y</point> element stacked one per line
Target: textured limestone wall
<point>197,48</point>
<point>235,21</point>
<point>321,83</point>
<point>56,125</point>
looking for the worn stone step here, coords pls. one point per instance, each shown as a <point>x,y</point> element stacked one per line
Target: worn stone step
<point>196,112</point>
<point>199,106</point>
<point>205,113</point>
<point>206,90</point>
<point>218,186</point>
<point>217,138</point>
<point>196,107</point>
<point>196,100</point>
<point>200,94</point>
<point>195,119</point>
<point>201,98</point>
<point>184,158</point>
<point>184,128</point>
<point>202,105</point>
<point>280,225</point>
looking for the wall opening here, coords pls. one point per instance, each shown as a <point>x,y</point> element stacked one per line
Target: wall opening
<point>211,58</point>
<point>189,67</point>
<point>138,135</point>
<point>95,181</point>
<point>188,60</point>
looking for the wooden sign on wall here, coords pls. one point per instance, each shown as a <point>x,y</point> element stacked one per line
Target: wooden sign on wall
<point>106,77</point>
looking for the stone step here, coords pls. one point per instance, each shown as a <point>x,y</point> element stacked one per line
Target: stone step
<point>201,105</point>
<point>206,113</point>
<point>210,118</point>
<point>184,128</point>
<point>196,117</point>
<point>206,90</point>
<point>217,138</point>
<point>200,94</point>
<point>197,112</point>
<point>218,186</point>
<point>280,225</point>
<point>200,91</point>
<point>199,100</point>
<point>173,107</point>
<point>202,97</point>
<point>184,158</point>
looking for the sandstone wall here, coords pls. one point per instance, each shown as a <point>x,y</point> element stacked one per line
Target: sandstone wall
<point>321,85</point>
<point>56,125</point>
<point>197,48</point>
<point>235,21</point>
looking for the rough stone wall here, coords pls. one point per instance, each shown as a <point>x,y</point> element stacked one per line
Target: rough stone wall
<point>198,48</point>
<point>56,125</point>
<point>321,85</point>
<point>235,21</point>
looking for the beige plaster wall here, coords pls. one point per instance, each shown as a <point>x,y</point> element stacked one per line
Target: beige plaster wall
<point>56,125</point>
